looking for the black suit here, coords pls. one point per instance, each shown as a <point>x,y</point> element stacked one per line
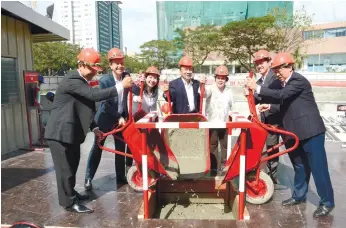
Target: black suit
<point>179,98</point>
<point>107,116</point>
<point>302,117</point>
<point>272,117</point>
<point>70,120</point>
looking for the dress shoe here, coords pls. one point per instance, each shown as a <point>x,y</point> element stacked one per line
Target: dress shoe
<point>81,197</point>
<point>88,185</point>
<point>78,208</point>
<point>322,210</point>
<point>291,202</point>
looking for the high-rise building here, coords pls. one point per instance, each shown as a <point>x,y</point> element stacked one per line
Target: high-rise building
<point>91,24</point>
<point>181,14</point>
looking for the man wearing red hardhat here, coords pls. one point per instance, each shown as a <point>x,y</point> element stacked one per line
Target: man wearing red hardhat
<point>302,117</point>
<point>219,101</point>
<point>262,61</point>
<point>111,112</point>
<point>184,90</point>
<point>71,118</point>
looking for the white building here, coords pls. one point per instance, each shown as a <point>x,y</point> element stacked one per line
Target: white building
<point>91,24</point>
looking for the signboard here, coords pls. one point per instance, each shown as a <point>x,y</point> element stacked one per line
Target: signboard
<point>341,112</point>
<point>30,76</point>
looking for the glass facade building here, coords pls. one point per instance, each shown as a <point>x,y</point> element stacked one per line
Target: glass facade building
<point>181,14</point>
<point>108,25</point>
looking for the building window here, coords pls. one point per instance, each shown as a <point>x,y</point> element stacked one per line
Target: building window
<point>9,81</point>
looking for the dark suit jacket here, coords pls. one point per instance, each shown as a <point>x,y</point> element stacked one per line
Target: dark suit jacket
<point>74,109</point>
<point>107,114</point>
<point>300,112</point>
<point>179,96</point>
<point>273,115</point>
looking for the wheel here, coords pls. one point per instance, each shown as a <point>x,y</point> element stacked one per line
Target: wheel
<point>134,179</point>
<point>265,188</point>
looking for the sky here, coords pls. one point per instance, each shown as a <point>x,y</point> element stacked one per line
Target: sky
<point>139,17</point>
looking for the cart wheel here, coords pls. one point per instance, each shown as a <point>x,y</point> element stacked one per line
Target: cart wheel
<point>134,179</point>
<point>265,188</point>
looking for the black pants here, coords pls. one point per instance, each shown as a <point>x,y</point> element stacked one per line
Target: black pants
<point>66,160</point>
<point>216,136</point>
<point>95,158</point>
<point>272,164</point>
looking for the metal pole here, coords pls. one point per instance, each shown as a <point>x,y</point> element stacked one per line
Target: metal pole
<point>242,174</point>
<point>145,175</point>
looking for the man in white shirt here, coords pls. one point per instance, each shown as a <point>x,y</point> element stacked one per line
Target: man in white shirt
<point>110,113</point>
<point>184,90</point>
<point>219,101</point>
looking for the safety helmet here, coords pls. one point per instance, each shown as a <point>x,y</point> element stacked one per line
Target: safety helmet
<point>115,53</point>
<point>282,59</point>
<point>91,58</point>
<point>185,61</point>
<point>152,70</point>
<point>221,71</point>
<point>261,55</point>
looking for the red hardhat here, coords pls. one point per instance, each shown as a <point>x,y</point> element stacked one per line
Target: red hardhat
<point>152,70</point>
<point>222,71</point>
<point>91,58</point>
<point>165,108</point>
<point>261,54</point>
<point>282,58</point>
<point>115,53</point>
<point>185,61</point>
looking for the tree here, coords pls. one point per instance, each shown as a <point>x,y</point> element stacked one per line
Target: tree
<point>299,58</point>
<point>160,53</point>
<point>241,39</point>
<point>132,64</point>
<point>286,34</point>
<point>199,42</point>
<point>52,58</point>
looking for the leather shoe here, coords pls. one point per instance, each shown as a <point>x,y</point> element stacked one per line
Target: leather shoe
<point>78,208</point>
<point>88,185</point>
<point>291,202</point>
<point>322,210</point>
<point>81,197</point>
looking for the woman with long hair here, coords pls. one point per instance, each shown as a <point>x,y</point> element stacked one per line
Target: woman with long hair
<point>150,93</point>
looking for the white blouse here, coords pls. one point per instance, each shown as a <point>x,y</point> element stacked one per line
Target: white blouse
<point>218,103</point>
<point>149,102</point>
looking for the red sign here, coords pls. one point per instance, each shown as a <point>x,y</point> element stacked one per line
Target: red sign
<point>31,77</point>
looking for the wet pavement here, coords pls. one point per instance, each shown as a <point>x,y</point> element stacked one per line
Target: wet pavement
<point>28,193</point>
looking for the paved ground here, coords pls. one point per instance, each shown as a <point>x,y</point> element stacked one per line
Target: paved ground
<point>28,192</point>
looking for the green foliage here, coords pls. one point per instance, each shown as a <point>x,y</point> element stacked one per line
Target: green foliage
<point>241,39</point>
<point>52,58</point>
<point>199,42</point>
<point>160,53</point>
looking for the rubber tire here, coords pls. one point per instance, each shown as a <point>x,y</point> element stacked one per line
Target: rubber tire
<point>132,170</point>
<point>269,185</point>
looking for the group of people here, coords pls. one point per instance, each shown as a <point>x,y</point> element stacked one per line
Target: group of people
<point>284,97</point>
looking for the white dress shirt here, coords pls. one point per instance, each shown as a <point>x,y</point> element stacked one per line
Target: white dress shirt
<point>218,103</point>
<point>120,90</point>
<point>190,95</point>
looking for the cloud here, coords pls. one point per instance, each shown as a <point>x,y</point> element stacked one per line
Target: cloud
<point>323,11</point>
<point>138,23</point>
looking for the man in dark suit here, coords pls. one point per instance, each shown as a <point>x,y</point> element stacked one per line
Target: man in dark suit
<point>272,116</point>
<point>184,90</point>
<point>111,112</point>
<point>71,117</point>
<point>302,117</point>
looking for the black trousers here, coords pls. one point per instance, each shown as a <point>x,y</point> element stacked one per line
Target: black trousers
<point>66,160</point>
<point>95,158</point>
